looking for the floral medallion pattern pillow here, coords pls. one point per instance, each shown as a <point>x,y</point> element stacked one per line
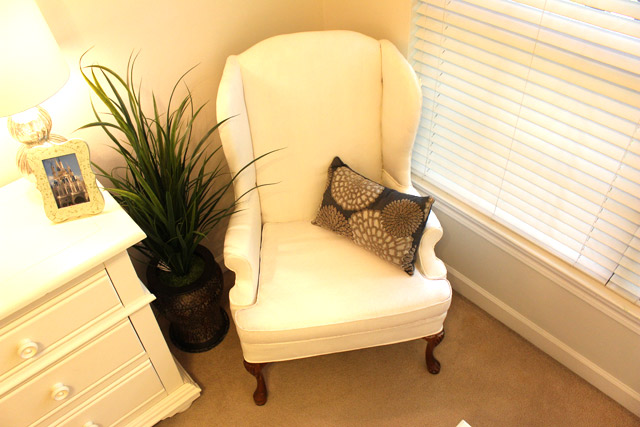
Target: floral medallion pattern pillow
<point>384,221</point>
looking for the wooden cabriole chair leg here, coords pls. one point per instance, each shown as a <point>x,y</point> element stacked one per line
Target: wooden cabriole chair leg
<point>255,369</point>
<point>432,341</point>
<point>260,395</point>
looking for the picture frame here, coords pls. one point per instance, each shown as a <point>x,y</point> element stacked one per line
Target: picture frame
<point>65,180</point>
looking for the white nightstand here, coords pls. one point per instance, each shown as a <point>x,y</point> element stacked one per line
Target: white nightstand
<point>79,344</point>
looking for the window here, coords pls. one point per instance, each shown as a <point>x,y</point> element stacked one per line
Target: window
<point>531,113</point>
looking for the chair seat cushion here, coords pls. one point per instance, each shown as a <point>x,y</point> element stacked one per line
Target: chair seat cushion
<point>315,283</point>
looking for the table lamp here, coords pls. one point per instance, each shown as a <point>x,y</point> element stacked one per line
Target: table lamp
<point>32,70</point>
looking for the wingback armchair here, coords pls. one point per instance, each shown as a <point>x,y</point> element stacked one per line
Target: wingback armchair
<point>301,290</point>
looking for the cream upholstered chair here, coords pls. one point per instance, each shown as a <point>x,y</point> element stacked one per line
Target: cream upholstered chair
<point>300,289</point>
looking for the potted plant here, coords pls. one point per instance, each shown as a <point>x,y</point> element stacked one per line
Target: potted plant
<point>172,188</point>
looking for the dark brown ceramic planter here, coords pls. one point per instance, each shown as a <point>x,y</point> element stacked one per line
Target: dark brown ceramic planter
<point>197,321</point>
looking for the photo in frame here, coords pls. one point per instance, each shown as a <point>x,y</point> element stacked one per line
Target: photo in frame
<point>65,179</point>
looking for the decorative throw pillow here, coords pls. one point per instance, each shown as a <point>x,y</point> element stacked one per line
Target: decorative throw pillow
<point>384,221</point>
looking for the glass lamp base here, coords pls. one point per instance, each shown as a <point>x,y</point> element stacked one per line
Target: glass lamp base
<point>21,155</point>
<point>31,128</point>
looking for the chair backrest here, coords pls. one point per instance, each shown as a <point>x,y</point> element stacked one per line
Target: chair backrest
<point>315,96</point>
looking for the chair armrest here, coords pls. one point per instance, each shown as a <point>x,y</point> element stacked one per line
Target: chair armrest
<point>242,250</point>
<point>427,263</point>
<point>244,232</point>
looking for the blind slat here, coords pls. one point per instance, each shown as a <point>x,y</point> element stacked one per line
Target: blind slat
<point>589,15</point>
<point>454,99</point>
<point>531,113</point>
<point>479,155</point>
<point>483,48</point>
<point>622,7</point>
<point>545,214</point>
<point>553,201</point>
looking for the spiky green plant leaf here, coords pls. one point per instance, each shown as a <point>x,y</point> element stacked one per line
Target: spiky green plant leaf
<point>171,186</point>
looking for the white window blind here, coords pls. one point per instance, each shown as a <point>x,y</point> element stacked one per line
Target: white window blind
<point>531,113</point>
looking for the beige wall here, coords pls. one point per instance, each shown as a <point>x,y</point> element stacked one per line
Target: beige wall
<point>381,19</point>
<point>172,36</point>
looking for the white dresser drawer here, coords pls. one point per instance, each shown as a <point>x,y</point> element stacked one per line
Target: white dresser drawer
<point>31,336</point>
<point>132,394</point>
<point>66,380</point>
<point>77,312</point>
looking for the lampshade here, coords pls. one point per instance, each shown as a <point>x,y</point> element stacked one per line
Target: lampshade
<point>33,68</point>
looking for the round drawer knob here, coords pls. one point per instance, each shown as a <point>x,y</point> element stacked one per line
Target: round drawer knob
<point>60,391</point>
<point>90,424</point>
<point>28,349</point>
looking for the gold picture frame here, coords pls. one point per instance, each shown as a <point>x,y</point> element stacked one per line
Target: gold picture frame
<point>65,179</point>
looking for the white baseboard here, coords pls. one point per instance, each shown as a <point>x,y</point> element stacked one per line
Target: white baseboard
<point>546,342</point>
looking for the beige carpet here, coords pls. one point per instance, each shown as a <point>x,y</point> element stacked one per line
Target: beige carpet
<point>490,377</point>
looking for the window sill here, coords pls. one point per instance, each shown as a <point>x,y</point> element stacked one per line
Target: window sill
<point>570,278</point>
